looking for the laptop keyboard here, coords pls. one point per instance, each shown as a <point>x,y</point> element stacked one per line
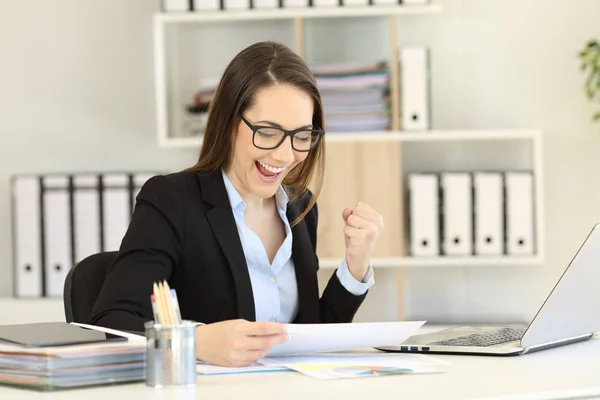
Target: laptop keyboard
<point>485,339</point>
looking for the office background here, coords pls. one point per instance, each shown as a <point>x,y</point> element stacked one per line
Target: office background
<point>77,94</point>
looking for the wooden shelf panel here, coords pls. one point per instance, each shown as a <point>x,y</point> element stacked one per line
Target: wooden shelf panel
<point>291,13</point>
<point>368,173</point>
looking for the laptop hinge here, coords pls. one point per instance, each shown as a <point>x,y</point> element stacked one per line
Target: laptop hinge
<point>556,343</point>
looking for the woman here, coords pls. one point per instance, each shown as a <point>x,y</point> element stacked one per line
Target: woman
<point>235,235</point>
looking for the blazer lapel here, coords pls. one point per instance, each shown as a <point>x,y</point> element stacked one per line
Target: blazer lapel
<point>222,222</point>
<point>306,266</point>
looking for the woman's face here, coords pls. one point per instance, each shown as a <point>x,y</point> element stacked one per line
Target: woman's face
<point>258,172</point>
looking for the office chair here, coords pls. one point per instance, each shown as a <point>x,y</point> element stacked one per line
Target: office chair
<point>83,284</point>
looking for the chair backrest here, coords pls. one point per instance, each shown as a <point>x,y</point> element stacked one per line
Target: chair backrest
<point>83,284</point>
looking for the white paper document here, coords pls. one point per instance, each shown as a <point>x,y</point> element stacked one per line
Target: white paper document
<point>341,365</point>
<point>312,338</point>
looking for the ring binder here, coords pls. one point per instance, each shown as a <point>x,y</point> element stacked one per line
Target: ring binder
<point>59,219</point>
<point>27,236</point>
<point>57,233</point>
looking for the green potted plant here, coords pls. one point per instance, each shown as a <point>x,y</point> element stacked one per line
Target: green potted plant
<point>589,57</point>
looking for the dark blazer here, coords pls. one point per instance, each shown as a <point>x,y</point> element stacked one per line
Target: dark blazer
<point>183,231</point>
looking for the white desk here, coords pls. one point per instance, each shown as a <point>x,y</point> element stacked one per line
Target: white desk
<point>568,371</point>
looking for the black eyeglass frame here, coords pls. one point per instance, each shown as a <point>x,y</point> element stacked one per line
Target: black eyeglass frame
<point>286,133</point>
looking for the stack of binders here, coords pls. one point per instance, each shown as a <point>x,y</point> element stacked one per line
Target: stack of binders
<point>59,219</point>
<point>175,6</point>
<point>481,213</point>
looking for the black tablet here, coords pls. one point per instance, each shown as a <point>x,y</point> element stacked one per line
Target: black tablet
<point>47,334</point>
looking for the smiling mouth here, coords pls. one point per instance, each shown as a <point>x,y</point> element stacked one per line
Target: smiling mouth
<point>269,172</point>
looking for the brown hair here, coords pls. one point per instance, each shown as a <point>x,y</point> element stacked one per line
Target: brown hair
<point>258,66</point>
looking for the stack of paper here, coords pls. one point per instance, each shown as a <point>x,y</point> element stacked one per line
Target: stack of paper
<point>355,96</point>
<point>64,367</point>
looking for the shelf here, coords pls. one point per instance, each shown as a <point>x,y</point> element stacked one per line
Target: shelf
<point>433,136</point>
<point>291,13</point>
<point>474,261</point>
<point>168,94</point>
<point>398,136</point>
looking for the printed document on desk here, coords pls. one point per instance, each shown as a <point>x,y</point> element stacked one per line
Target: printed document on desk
<point>312,338</point>
<point>356,365</point>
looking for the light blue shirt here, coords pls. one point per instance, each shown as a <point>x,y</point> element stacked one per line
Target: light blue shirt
<point>274,284</point>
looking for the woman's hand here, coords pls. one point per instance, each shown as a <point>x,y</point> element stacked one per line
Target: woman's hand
<point>237,343</point>
<point>362,226</point>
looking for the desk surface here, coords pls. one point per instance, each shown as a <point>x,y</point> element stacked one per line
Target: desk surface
<point>558,373</point>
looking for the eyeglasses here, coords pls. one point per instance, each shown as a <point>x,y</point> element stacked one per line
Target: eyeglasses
<point>269,137</point>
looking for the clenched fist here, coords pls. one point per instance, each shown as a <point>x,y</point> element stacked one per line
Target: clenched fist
<point>362,226</point>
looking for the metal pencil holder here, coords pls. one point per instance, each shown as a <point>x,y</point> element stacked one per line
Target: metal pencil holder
<point>170,354</point>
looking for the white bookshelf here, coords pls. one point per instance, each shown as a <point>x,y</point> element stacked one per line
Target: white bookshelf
<point>475,149</point>
<point>170,28</point>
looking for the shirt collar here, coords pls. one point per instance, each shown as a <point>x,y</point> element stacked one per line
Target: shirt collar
<point>236,201</point>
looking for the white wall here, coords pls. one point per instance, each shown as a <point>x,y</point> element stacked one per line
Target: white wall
<point>76,94</point>
<point>76,81</point>
<point>512,64</point>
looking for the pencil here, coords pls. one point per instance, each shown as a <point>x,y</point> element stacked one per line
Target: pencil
<point>170,305</point>
<point>158,300</point>
<point>165,304</point>
<point>154,308</point>
<point>176,306</point>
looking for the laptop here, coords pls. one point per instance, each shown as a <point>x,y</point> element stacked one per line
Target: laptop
<point>570,314</point>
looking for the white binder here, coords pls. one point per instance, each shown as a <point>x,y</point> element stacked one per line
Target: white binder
<point>294,3</point>
<point>457,212</point>
<point>326,3</point>
<point>206,5</point>
<point>489,213</point>
<point>424,214</point>
<point>176,5</point>
<point>414,88</point>
<point>355,2</point>
<point>139,180</point>
<point>266,3</point>
<point>86,216</point>
<point>57,233</point>
<point>236,4</point>
<point>115,210</point>
<point>386,2</point>
<point>27,237</point>
<point>519,213</point>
